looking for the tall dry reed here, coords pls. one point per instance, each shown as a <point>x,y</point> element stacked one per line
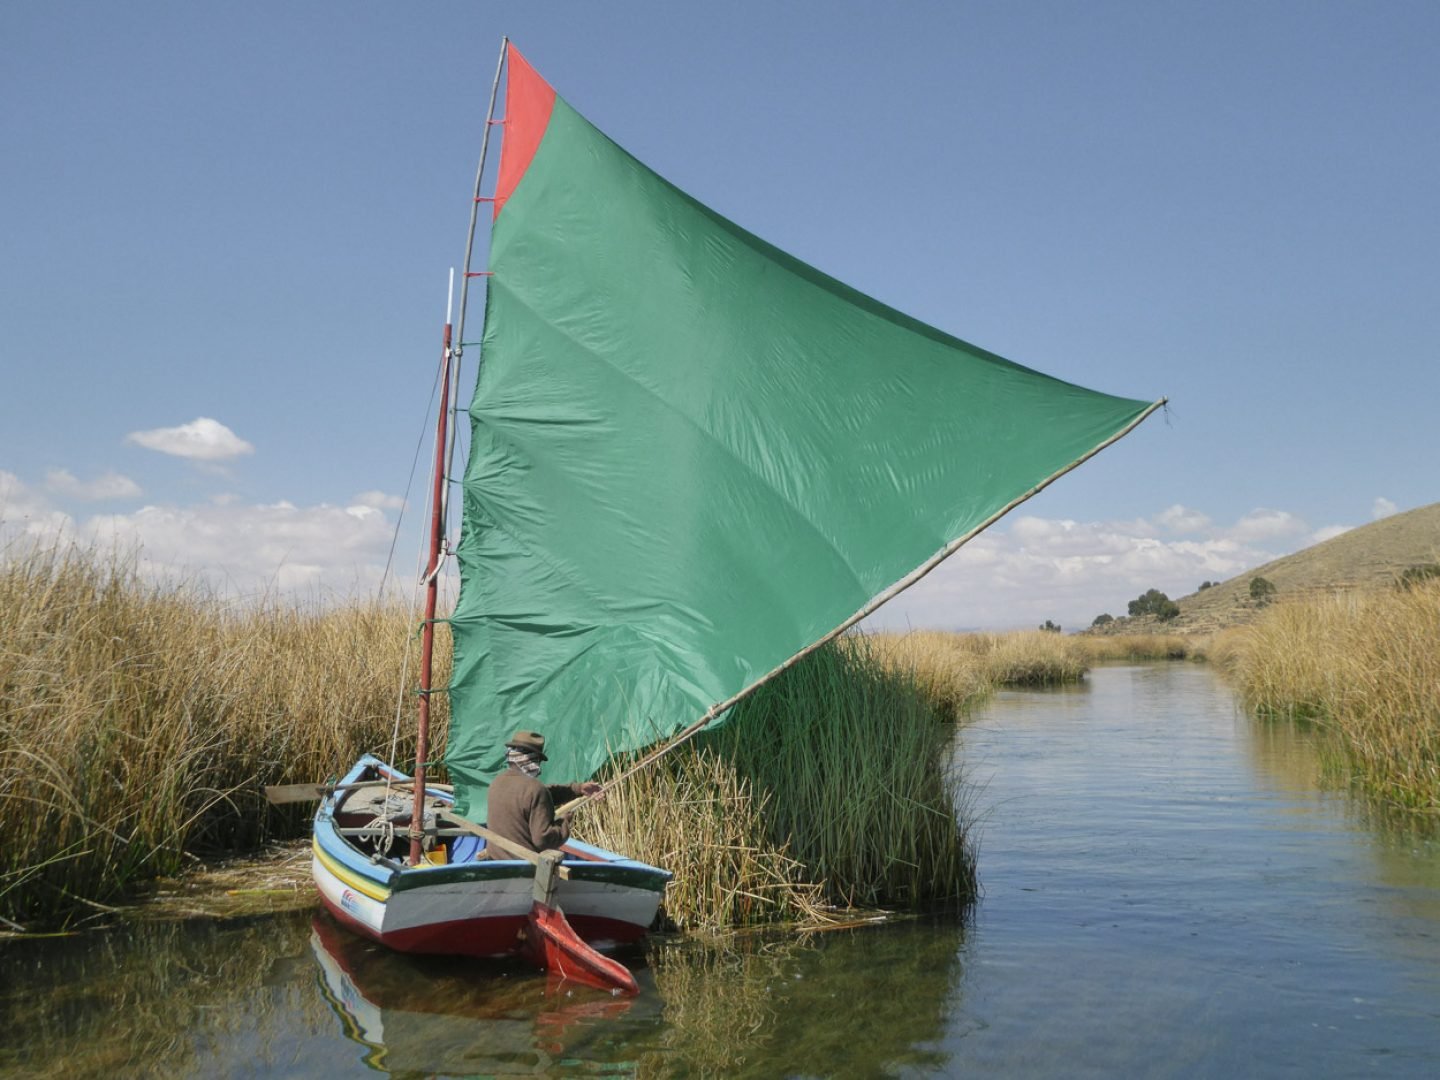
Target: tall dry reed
<point>1101,647</point>
<point>955,671</point>
<point>139,723</point>
<point>944,667</point>
<point>1365,667</point>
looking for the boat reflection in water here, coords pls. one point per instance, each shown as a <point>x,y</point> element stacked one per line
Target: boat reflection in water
<point>433,1015</point>
<point>871,1002</point>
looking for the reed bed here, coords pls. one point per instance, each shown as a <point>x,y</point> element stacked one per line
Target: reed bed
<point>138,724</point>
<point>1365,668</point>
<point>1098,648</point>
<point>695,815</point>
<point>955,671</point>
<point>939,665</point>
<point>860,771</point>
<point>828,788</point>
<point>1032,658</point>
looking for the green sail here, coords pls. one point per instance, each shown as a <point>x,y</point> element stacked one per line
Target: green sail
<point>693,456</point>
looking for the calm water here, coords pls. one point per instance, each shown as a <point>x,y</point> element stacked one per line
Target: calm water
<point>1167,894</point>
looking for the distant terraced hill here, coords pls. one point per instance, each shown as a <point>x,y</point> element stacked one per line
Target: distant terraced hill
<point>1368,557</point>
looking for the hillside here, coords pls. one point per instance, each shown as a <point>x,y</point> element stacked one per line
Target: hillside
<point>1371,556</point>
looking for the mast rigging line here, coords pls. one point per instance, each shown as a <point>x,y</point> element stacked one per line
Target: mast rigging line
<point>422,579</point>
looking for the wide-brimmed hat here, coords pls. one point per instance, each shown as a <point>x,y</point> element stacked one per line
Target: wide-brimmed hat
<point>532,742</point>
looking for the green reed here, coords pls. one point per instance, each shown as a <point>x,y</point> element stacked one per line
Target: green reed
<point>829,787</point>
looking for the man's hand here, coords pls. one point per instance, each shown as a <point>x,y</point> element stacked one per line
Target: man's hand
<point>591,788</point>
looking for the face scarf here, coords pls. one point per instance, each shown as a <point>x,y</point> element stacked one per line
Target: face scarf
<point>523,760</point>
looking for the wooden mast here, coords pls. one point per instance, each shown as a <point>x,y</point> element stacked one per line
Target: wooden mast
<point>432,590</point>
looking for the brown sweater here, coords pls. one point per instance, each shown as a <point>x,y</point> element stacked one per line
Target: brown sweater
<point>522,809</point>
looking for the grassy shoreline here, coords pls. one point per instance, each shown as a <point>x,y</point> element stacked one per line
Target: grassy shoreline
<point>139,724</point>
<point>1363,667</point>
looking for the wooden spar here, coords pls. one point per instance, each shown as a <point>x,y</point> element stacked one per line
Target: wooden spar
<point>432,590</point>
<point>869,609</point>
<point>470,236</point>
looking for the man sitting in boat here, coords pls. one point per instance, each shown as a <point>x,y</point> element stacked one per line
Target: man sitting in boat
<point>522,809</point>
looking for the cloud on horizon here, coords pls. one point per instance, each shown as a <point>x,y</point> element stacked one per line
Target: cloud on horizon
<point>237,548</point>
<point>203,439</point>
<point>108,485</point>
<point>1069,571</point>
<point>1018,574</point>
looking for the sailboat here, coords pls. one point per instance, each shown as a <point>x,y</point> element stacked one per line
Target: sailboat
<point>694,459</point>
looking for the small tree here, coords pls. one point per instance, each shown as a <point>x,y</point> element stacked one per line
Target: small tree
<point>1103,620</point>
<point>1050,627</point>
<point>1154,602</point>
<point>1262,590</point>
<point>1207,585</point>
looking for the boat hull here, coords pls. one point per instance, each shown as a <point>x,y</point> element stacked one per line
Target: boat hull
<point>473,908</point>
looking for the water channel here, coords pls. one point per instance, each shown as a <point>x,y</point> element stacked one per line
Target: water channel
<point>1168,893</point>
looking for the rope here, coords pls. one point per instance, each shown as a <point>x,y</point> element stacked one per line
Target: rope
<point>379,830</point>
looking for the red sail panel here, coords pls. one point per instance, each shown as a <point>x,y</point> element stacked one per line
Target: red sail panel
<point>529,100</point>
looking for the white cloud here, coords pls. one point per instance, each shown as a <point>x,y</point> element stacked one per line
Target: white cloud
<point>202,439</point>
<point>1268,525</point>
<point>240,549</point>
<point>246,548</point>
<point>108,485</point>
<point>379,500</point>
<point>1070,571</point>
<point>1018,574</point>
<point>1382,508</point>
<point>1182,519</point>
<point>27,514</point>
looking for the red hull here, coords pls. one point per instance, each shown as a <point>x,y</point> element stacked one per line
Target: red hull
<point>548,941</point>
<point>459,937</point>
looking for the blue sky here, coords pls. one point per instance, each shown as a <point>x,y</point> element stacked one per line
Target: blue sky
<point>227,230</point>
